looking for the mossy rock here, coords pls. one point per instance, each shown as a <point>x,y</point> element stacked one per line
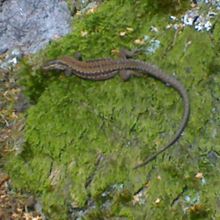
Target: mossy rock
<point>83,138</point>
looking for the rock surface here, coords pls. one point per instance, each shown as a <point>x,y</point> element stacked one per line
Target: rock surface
<point>32,24</point>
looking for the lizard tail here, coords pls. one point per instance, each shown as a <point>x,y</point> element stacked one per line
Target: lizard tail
<point>171,81</point>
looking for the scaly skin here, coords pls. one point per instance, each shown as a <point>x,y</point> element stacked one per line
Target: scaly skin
<point>103,69</point>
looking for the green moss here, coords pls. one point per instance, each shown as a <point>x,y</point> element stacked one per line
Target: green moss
<point>168,6</point>
<point>83,138</point>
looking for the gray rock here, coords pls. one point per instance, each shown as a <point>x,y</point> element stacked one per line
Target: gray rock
<point>31,24</point>
<point>213,157</point>
<point>22,103</point>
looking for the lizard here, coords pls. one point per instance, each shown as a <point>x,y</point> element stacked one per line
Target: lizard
<point>104,69</point>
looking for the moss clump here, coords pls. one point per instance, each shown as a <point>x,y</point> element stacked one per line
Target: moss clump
<point>168,6</point>
<point>83,138</point>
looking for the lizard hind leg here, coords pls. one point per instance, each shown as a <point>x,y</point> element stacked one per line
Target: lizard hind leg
<point>126,74</point>
<point>127,54</point>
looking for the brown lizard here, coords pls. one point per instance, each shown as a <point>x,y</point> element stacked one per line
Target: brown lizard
<point>103,69</point>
